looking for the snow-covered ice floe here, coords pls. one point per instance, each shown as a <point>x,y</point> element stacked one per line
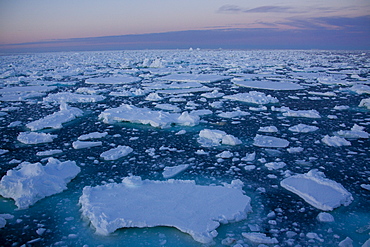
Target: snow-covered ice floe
<point>193,209</point>
<point>209,138</point>
<point>201,78</point>
<point>317,190</point>
<point>116,153</point>
<point>171,171</point>
<point>35,137</point>
<point>85,144</point>
<point>303,128</point>
<point>253,97</point>
<point>335,141</point>
<point>130,113</point>
<point>56,119</point>
<point>114,80</point>
<point>270,142</point>
<point>269,85</point>
<point>29,183</point>
<point>356,132</point>
<point>365,103</point>
<point>73,98</point>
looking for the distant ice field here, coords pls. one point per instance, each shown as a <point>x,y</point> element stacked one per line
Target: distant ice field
<point>285,132</point>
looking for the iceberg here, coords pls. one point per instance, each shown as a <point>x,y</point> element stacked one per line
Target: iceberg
<point>270,142</point>
<point>35,137</point>
<point>116,153</point>
<point>317,190</point>
<point>253,97</point>
<point>130,113</point>
<point>55,120</point>
<point>193,209</point>
<point>209,138</point>
<point>29,183</point>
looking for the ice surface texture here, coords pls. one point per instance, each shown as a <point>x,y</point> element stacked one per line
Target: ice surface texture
<point>320,192</point>
<point>193,209</point>
<point>28,183</point>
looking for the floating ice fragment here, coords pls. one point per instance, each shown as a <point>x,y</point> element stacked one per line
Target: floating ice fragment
<point>212,95</point>
<point>270,142</point>
<point>259,238</point>
<point>29,183</point>
<point>85,144</point>
<point>365,103</point>
<point>49,152</point>
<point>325,217</point>
<point>116,153</point>
<point>93,135</point>
<point>56,119</point>
<point>3,151</point>
<point>114,80</point>
<point>35,138</point>
<point>209,138</point>
<point>315,189</point>
<point>172,171</point>
<point>347,242</point>
<point>185,206</point>
<point>303,128</point>
<point>225,155</point>
<point>253,97</point>
<point>269,85</point>
<point>201,78</point>
<point>268,129</point>
<point>275,165</point>
<point>360,89</point>
<point>233,114</point>
<point>153,97</point>
<point>356,132</point>
<point>301,113</point>
<point>335,141</point>
<point>73,98</point>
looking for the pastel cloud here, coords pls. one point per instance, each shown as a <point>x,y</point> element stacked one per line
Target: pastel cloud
<point>262,9</point>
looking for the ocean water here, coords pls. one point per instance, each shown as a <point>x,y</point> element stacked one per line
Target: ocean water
<point>328,78</point>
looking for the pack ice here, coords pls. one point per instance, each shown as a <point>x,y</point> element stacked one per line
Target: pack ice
<point>317,190</point>
<point>28,183</point>
<point>193,209</point>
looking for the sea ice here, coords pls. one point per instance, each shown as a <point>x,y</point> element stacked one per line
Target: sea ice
<point>209,138</point>
<point>335,141</point>
<point>171,171</point>
<point>259,238</point>
<point>270,142</point>
<point>253,97</point>
<point>233,114</point>
<point>356,132</point>
<point>301,113</point>
<point>317,190</point>
<point>85,144</point>
<point>365,103</point>
<point>114,80</point>
<point>269,85</point>
<point>303,128</point>
<point>325,217</point>
<point>193,209</point>
<point>73,98</point>
<point>268,129</point>
<point>35,137</point>
<point>56,119</point>
<point>93,135</point>
<point>130,113</point>
<point>213,95</point>
<point>49,152</point>
<point>116,153</point>
<point>29,183</point>
<point>201,78</point>
<point>3,151</point>
<point>275,165</point>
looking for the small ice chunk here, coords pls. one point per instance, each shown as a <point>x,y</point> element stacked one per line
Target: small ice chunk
<point>49,152</point>
<point>356,132</point>
<point>268,129</point>
<point>225,155</point>
<point>249,157</point>
<point>172,171</point>
<point>186,205</point>
<point>123,79</point>
<point>269,85</point>
<point>253,97</point>
<point>29,183</point>
<point>347,242</point>
<point>325,217</point>
<point>294,150</point>
<point>116,153</point>
<point>73,98</point>
<point>275,165</point>
<point>85,144</point>
<point>3,218</point>
<point>212,95</point>
<point>315,189</point>
<point>209,138</point>
<point>365,103</point>
<point>335,141</point>
<point>233,114</point>
<point>259,238</point>
<point>93,135</point>
<point>153,97</point>
<point>181,132</point>
<point>303,128</point>
<point>270,142</point>
<point>3,151</point>
<point>35,138</point>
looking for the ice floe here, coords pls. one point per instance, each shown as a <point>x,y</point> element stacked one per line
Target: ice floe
<point>85,144</point>
<point>116,153</point>
<point>259,238</point>
<point>184,205</point>
<point>253,97</point>
<point>269,85</point>
<point>303,128</point>
<point>113,80</point>
<point>130,113</point>
<point>29,183</point>
<point>201,78</point>
<point>171,171</point>
<point>335,141</point>
<point>356,132</point>
<point>365,103</point>
<point>35,137</point>
<point>56,120</point>
<point>317,190</point>
<point>92,135</point>
<point>209,138</point>
<point>49,152</point>
<point>270,142</point>
<point>73,98</point>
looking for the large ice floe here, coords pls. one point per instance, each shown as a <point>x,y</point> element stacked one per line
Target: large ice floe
<point>317,190</point>
<point>253,97</point>
<point>73,98</point>
<point>269,85</point>
<point>130,113</point>
<point>29,183</point>
<point>113,80</point>
<point>183,205</point>
<point>270,142</point>
<point>56,119</point>
<point>35,137</point>
<point>209,138</point>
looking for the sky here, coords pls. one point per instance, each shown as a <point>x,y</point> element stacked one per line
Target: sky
<point>52,25</point>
